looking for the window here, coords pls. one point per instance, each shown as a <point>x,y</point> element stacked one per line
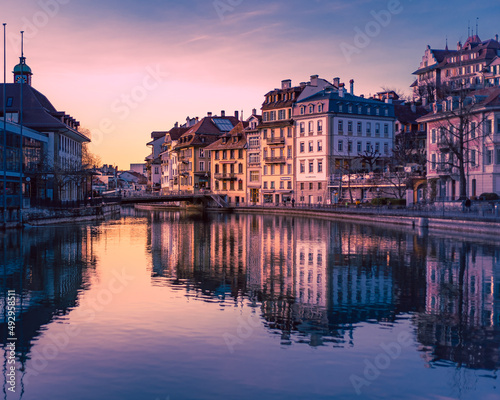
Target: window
<point>311,146</point>
<point>340,146</point>
<point>386,148</point>
<point>311,166</point>
<point>368,146</point>
<point>360,128</point>
<point>281,114</point>
<point>289,132</point>
<point>311,127</point>
<point>302,128</point>
<point>282,132</point>
<point>349,108</point>
<point>377,147</point>
<point>302,147</point>
<point>433,136</point>
<point>497,156</point>
<point>302,110</point>
<point>320,125</point>
<point>377,128</point>
<point>349,146</point>
<point>232,155</point>
<point>320,145</point>
<point>368,129</point>
<point>202,165</point>
<point>272,185</point>
<point>282,169</point>
<point>320,108</point>
<point>349,127</point>
<point>240,154</point>
<point>289,185</point>
<point>386,130</point>
<point>302,186</point>
<point>272,169</point>
<point>272,115</point>
<point>289,152</point>
<point>433,161</point>
<point>289,169</point>
<point>302,167</point>
<point>488,157</point>
<point>202,153</point>
<point>320,167</point>
<point>319,188</point>
<point>254,176</point>
<point>473,157</point>
<point>265,170</point>
<point>254,159</point>
<point>224,154</point>
<point>341,126</point>
<point>498,125</point>
<point>311,109</point>
<point>265,185</point>
<point>240,168</point>
<point>359,147</point>
<point>472,130</point>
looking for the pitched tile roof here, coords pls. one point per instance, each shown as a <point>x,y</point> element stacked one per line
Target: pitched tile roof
<point>38,112</point>
<point>237,132</point>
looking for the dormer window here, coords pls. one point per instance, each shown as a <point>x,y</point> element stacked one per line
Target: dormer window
<point>235,139</point>
<point>311,109</point>
<point>302,110</point>
<point>320,107</point>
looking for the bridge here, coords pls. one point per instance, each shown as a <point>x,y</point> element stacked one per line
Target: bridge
<point>205,199</point>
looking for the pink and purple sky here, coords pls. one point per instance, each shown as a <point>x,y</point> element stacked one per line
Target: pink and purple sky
<point>126,68</point>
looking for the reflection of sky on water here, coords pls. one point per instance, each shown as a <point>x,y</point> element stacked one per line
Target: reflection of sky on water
<point>235,306</point>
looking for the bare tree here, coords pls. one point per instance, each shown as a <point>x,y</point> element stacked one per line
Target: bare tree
<point>462,125</point>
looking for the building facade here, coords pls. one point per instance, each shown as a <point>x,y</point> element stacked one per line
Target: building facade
<point>229,165</point>
<point>339,134</point>
<point>463,137</point>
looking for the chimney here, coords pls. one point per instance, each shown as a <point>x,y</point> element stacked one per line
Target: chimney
<point>209,114</point>
<point>222,113</point>
<point>336,82</point>
<point>496,37</point>
<point>286,84</point>
<point>459,46</point>
<point>254,111</point>
<point>176,125</point>
<point>352,86</point>
<point>237,115</point>
<point>303,85</point>
<point>413,108</point>
<point>314,80</point>
<point>362,96</point>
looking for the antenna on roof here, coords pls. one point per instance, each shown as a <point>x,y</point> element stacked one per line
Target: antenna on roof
<point>446,48</point>
<point>468,29</point>
<point>477,26</point>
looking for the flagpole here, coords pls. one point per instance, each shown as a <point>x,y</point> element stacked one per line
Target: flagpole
<point>21,134</point>
<point>4,128</point>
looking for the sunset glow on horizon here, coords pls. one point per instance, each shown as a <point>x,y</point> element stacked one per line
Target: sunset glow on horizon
<point>125,69</point>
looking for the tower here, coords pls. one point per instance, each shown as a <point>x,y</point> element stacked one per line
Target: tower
<point>22,71</point>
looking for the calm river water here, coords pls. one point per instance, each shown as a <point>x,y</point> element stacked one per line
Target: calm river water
<point>170,306</point>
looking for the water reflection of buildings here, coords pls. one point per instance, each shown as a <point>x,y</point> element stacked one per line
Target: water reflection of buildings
<point>46,268</point>
<point>461,322</point>
<point>316,280</point>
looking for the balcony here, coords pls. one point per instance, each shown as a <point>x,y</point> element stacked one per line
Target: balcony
<point>225,177</point>
<point>275,160</point>
<point>444,170</point>
<point>443,145</point>
<point>275,140</point>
